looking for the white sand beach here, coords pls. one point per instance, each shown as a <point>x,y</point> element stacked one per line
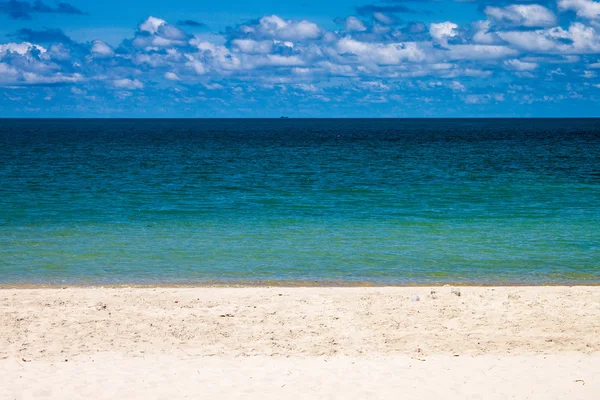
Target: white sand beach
<point>300,342</point>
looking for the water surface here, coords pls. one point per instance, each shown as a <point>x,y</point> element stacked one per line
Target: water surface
<point>386,201</point>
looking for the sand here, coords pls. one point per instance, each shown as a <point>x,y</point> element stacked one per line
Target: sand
<point>295,342</point>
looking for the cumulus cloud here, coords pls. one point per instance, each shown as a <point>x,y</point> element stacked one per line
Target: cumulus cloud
<point>588,9</point>
<point>129,84</point>
<point>253,46</point>
<point>527,15</point>
<point>457,86</point>
<point>32,78</point>
<point>151,24</point>
<point>380,53</point>
<point>20,48</point>
<point>196,65</point>
<point>483,98</point>
<point>519,65</point>
<point>373,57</point>
<point>171,76</point>
<point>157,33</point>
<point>577,39</point>
<point>101,49</point>
<point>383,18</point>
<point>482,33</point>
<point>8,74</point>
<point>353,24</point>
<point>479,52</point>
<point>443,31</point>
<point>277,60</point>
<point>307,87</point>
<point>274,27</point>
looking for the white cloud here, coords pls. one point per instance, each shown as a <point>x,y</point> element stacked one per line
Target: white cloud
<point>33,78</point>
<point>583,8</point>
<point>275,27</point>
<point>129,84</point>
<point>171,76</point>
<point>152,24</point>
<point>376,86</point>
<point>156,33</point>
<point>101,49</point>
<point>59,52</point>
<point>353,24</point>
<point>298,55</point>
<point>458,72</point>
<point>253,46</point>
<point>380,53</point>
<point>307,72</point>
<point>7,73</point>
<point>443,31</point>
<point>479,52</point>
<point>578,39</point>
<point>219,57</point>
<point>537,41</point>
<point>482,34</point>
<point>78,91</point>
<point>213,86</point>
<point>336,69</point>
<point>196,65</point>
<point>528,15</point>
<point>483,98</point>
<point>307,87</point>
<point>281,61</point>
<point>171,32</point>
<point>519,65</point>
<point>20,48</point>
<point>457,86</point>
<point>384,19</point>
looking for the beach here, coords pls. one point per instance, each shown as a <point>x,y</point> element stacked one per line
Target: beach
<point>300,342</point>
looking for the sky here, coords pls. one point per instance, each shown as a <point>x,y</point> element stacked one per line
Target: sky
<point>266,58</point>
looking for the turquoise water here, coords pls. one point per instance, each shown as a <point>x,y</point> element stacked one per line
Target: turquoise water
<point>386,201</point>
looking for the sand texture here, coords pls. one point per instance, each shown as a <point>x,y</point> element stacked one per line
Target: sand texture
<point>319,342</point>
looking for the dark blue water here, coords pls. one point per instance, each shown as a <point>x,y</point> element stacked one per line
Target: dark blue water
<point>387,201</point>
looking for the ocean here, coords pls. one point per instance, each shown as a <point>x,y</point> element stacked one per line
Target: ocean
<point>384,201</point>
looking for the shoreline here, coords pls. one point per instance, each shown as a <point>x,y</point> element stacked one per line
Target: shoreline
<point>287,284</point>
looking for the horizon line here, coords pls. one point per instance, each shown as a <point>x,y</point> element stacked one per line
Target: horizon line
<point>288,118</point>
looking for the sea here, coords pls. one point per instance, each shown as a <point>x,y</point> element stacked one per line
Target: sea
<point>319,201</point>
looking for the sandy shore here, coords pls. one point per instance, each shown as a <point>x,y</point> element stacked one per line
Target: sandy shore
<point>487,342</point>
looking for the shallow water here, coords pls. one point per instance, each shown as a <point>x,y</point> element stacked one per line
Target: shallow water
<point>387,201</point>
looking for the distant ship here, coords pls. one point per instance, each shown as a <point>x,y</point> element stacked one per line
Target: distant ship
<point>282,117</point>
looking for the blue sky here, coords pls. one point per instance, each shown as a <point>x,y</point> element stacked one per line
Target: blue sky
<point>264,58</point>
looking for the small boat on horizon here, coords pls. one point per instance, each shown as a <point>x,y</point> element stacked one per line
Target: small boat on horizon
<point>283,117</point>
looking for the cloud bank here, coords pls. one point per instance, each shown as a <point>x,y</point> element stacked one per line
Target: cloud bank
<point>517,54</point>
